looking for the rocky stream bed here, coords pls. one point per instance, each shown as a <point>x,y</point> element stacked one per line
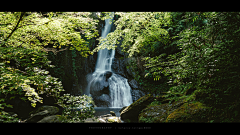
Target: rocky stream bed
<point>140,111</point>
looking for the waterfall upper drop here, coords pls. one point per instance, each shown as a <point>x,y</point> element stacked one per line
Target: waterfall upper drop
<point>107,88</point>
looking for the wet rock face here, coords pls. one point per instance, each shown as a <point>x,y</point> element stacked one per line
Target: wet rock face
<point>108,74</point>
<point>99,89</point>
<point>134,84</point>
<point>136,94</point>
<point>118,67</point>
<point>103,100</point>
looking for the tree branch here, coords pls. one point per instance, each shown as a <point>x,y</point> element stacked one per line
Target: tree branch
<point>15,28</point>
<point>54,50</point>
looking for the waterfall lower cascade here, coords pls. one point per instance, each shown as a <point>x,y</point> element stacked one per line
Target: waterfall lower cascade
<point>119,90</point>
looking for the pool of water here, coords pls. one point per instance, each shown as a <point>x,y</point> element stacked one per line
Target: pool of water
<point>106,110</point>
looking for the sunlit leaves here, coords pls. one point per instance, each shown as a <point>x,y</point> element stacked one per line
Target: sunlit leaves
<point>136,28</point>
<point>70,103</point>
<point>59,29</point>
<point>25,45</point>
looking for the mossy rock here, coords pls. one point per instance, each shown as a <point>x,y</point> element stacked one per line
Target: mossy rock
<point>52,119</point>
<point>112,113</point>
<point>189,112</point>
<point>158,113</point>
<point>113,119</point>
<point>131,112</point>
<point>123,109</point>
<point>41,112</point>
<point>51,110</point>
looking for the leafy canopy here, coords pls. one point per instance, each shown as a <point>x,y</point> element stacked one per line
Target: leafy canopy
<point>136,29</point>
<point>24,38</point>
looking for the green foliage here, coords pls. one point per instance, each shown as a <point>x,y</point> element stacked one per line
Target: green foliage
<point>197,50</point>
<point>70,103</point>
<point>207,59</point>
<point>136,28</point>
<point>23,54</point>
<point>5,117</point>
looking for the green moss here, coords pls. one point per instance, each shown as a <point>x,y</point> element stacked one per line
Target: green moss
<point>188,112</point>
<point>132,112</point>
<point>141,100</point>
<point>158,113</point>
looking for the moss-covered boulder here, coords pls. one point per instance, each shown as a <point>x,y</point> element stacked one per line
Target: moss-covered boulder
<point>52,119</point>
<point>50,109</point>
<point>130,113</point>
<point>158,113</point>
<point>189,112</point>
<point>112,113</point>
<point>41,112</point>
<point>123,109</point>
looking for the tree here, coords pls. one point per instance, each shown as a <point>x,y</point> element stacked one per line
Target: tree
<point>23,56</point>
<point>136,29</point>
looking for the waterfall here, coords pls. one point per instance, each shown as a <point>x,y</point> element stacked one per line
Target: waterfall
<point>119,88</point>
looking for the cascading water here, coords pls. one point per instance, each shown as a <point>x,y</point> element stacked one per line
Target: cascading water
<point>119,88</point>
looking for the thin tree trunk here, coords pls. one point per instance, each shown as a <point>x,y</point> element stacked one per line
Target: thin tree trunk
<point>15,28</point>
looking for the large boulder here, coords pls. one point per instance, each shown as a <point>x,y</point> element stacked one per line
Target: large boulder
<point>158,113</point>
<point>41,112</point>
<point>103,100</point>
<point>190,112</point>
<point>51,119</point>
<point>97,85</point>
<point>130,113</point>
<point>177,111</point>
<point>108,74</point>
<point>123,108</point>
<point>112,113</point>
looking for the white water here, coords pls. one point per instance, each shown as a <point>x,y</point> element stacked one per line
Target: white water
<point>119,88</point>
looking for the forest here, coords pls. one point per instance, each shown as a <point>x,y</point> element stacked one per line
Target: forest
<point>190,57</point>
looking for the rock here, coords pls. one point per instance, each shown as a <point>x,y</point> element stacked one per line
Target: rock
<point>155,114</point>
<point>162,98</point>
<point>113,119</point>
<point>123,108</point>
<point>41,112</point>
<point>136,94</point>
<point>51,109</point>
<point>91,120</point>
<point>108,74</point>
<point>38,116</point>
<point>51,119</point>
<point>107,115</point>
<point>189,112</point>
<point>109,119</point>
<point>103,100</point>
<point>101,120</point>
<point>105,90</point>
<point>131,112</point>
<point>118,66</point>
<point>133,84</point>
<point>112,113</point>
